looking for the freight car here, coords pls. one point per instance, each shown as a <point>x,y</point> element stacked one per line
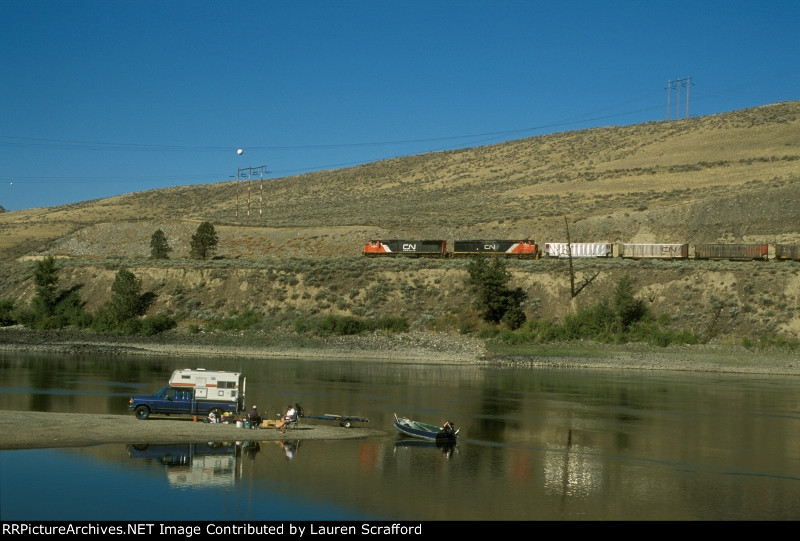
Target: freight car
<point>653,251</point>
<point>509,248</point>
<point>412,248</point>
<point>734,252</point>
<point>785,252</point>
<point>578,249</point>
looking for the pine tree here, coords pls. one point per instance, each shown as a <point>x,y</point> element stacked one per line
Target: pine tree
<point>204,241</point>
<point>46,279</point>
<point>126,299</point>
<point>159,249</point>
<point>494,300</point>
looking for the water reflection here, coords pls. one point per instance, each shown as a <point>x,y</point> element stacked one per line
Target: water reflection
<point>194,464</point>
<point>445,447</point>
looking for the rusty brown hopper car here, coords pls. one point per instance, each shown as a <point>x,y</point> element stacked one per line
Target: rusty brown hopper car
<point>734,252</point>
<point>654,251</point>
<point>787,251</point>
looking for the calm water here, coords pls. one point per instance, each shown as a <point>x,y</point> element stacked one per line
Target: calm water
<point>536,444</point>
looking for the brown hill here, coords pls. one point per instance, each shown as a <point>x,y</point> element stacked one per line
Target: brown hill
<point>293,246</point>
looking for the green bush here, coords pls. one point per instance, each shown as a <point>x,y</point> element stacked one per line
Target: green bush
<point>159,323</point>
<point>389,323</point>
<point>7,315</point>
<point>626,319</point>
<point>349,325</point>
<point>236,321</point>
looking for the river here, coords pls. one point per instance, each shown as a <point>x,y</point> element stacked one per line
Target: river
<point>535,444</point>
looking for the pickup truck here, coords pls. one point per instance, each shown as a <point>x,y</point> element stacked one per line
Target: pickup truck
<point>179,401</point>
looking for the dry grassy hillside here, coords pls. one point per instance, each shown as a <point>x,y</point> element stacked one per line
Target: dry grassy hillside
<point>295,246</point>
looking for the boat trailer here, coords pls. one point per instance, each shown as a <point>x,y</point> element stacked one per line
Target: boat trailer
<point>344,420</point>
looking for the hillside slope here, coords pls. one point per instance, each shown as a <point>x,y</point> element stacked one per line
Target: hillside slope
<point>294,245</point>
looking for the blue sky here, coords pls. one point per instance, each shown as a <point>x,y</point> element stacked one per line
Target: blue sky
<point>105,97</point>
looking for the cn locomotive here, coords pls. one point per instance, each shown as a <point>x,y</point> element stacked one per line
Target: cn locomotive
<point>438,248</point>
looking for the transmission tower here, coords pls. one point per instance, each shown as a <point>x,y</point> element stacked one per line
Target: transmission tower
<point>676,86</point>
<point>249,174</point>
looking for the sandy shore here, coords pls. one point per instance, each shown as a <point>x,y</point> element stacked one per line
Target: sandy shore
<point>35,430</point>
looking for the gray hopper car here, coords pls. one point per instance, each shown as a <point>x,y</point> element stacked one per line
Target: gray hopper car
<point>654,251</point>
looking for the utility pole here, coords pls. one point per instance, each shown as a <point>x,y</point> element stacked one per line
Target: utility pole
<point>669,92</point>
<point>262,170</point>
<point>688,85</point>
<point>676,85</point>
<point>240,175</point>
<point>569,254</point>
<point>248,173</point>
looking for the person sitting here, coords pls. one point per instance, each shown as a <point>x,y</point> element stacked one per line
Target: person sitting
<point>291,415</point>
<point>253,417</point>
<point>212,418</point>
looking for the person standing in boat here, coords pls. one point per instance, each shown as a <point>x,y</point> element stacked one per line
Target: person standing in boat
<point>448,428</point>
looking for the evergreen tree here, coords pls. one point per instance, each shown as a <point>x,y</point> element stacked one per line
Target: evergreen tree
<point>45,276</point>
<point>627,308</point>
<point>494,300</point>
<point>204,241</point>
<point>159,249</point>
<point>126,299</point>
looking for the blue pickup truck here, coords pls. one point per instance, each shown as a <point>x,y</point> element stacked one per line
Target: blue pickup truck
<point>193,392</point>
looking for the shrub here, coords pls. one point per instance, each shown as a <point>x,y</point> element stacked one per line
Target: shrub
<point>7,316</point>
<point>159,323</point>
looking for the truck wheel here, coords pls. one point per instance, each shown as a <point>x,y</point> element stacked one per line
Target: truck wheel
<point>142,412</point>
<point>347,424</point>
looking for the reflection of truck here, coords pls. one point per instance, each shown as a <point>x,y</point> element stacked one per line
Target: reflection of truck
<point>193,464</point>
<point>194,392</point>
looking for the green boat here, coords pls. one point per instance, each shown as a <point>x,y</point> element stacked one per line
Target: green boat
<point>417,429</point>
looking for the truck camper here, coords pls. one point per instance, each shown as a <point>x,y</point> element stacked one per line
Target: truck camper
<point>194,392</point>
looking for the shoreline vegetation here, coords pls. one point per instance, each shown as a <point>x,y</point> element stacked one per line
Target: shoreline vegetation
<point>31,430</point>
<point>412,347</point>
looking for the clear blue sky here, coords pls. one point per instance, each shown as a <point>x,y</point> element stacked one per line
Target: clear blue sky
<point>105,97</point>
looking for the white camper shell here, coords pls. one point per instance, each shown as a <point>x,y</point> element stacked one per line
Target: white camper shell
<point>214,385</point>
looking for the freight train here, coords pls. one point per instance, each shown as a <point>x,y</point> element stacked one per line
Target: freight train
<point>527,249</point>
